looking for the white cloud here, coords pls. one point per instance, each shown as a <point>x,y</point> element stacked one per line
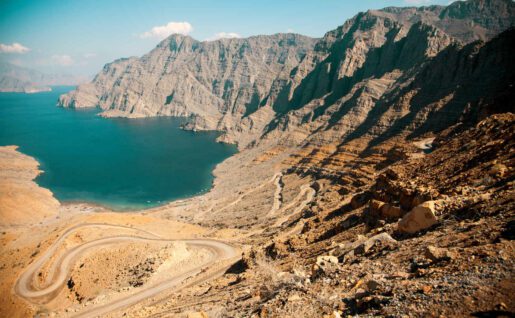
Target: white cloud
<point>13,48</point>
<point>224,35</point>
<point>163,31</point>
<point>63,60</point>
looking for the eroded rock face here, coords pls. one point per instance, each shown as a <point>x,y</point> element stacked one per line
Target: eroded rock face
<point>216,82</point>
<point>382,72</point>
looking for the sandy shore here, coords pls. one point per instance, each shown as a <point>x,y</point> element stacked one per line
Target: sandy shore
<point>107,258</point>
<point>123,254</point>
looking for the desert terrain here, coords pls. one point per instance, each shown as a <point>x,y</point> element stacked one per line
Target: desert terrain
<point>375,177</point>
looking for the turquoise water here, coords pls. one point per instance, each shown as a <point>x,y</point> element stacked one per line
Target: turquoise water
<point>119,163</point>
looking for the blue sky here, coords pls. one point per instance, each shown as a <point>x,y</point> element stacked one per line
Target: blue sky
<point>79,37</point>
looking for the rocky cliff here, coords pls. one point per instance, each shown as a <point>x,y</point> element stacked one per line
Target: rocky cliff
<point>360,77</point>
<point>214,82</point>
<point>20,79</point>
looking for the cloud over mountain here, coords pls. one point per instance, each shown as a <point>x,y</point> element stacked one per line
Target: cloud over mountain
<point>163,31</point>
<point>224,35</point>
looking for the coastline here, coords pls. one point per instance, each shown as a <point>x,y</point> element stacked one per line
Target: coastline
<point>36,236</point>
<point>139,209</point>
<point>134,186</point>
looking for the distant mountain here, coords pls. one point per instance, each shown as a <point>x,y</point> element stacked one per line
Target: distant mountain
<point>20,79</point>
<point>367,76</point>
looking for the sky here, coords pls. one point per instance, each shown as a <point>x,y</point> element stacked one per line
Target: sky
<point>79,36</point>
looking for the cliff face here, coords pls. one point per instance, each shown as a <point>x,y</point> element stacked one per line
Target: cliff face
<point>359,78</point>
<point>419,90</point>
<point>214,81</point>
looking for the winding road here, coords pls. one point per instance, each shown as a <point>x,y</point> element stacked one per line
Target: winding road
<point>276,179</point>
<point>304,189</point>
<point>59,272</point>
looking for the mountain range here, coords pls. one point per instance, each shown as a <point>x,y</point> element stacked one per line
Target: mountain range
<point>380,73</point>
<point>15,78</point>
<point>375,178</point>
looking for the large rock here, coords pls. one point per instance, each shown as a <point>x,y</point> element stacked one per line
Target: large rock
<point>419,218</point>
<point>436,254</point>
<point>380,240</point>
<point>389,211</point>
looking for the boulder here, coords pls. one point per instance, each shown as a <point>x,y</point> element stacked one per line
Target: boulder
<point>389,211</point>
<point>382,240</point>
<point>436,254</point>
<point>419,218</point>
<point>375,206</point>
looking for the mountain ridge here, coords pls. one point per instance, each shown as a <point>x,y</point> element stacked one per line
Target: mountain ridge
<point>246,87</point>
<point>15,78</point>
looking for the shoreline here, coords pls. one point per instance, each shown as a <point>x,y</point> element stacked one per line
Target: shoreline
<point>164,204</point>
<point>128,197</point>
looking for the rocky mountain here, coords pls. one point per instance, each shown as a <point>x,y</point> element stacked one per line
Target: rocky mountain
<point>375,178</point>
<point>20,79</point>
<point>216,82</point>
<point>427,86</point>
<point>325,89</point>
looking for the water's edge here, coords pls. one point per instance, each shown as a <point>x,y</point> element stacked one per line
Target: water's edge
<point>205,156</point>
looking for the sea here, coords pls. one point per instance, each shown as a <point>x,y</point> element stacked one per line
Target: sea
<point>123,164</point>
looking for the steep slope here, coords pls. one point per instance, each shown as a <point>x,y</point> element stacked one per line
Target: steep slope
<point>285,82</point>
<point>426,85</point>
<point>355,258</point>
<point>216,81</point>
<point>466,21</point>
<point>342,52</point>
<point>348,254</point>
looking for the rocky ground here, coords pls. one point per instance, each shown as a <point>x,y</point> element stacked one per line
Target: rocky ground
<point>403,228</point>
<point>428,235</point>
<point>396,229</point>
<point>375,177</point>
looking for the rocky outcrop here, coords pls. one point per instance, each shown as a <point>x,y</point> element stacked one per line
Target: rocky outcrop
<point>419,218</point>
<point>362,77</point>
<point>218,84</point>
<point>436,88</point>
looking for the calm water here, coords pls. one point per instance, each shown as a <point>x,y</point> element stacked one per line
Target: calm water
<point>120,163</point>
